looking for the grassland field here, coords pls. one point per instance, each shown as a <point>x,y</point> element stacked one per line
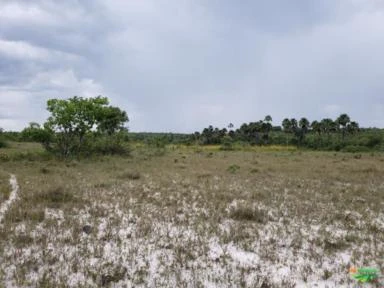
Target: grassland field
<point>191,217</point>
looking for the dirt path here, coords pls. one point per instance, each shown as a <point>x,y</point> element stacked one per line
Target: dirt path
<point>12,197</point>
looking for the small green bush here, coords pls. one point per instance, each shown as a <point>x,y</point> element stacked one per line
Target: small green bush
<point>227,144</point>
<point>355,149</point>
<point>233,168</point>
<point>3,143</point>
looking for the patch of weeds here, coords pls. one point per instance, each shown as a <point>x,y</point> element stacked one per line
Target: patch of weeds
<point>4,157</point>
<point>22,241</point>
<point>210,155</point>
<point>260,195</point>
<point>183,254</point>
<point>327,274</point>
<point>5,191</point>
<point>240,235</point>
<point>306,271</point>
<point>247,213</point>
<point>144,228</point>
<point>204,176</point>
<point>233,168</point>
<point>131,175</point>
<point>56,196</point>
<point>331,245</point>
<point>117,275</point>
<point>44,170</point>
<point>25,213</point>
<point>103,185</point>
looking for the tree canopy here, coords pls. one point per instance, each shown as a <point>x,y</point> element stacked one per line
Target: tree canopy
<point>74,121</point>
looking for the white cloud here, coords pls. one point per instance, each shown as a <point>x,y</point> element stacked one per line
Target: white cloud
<point>21,50</point>
<point>181,65</point>
<point>332,110</point>
<point>26,103</point>
<point>16,13</point>
<point>23,104</point>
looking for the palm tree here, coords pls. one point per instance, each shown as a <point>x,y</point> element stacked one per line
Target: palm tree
<point>289,126</point>
<point>286,125</point>
<point>266,127</point>
<point>304,123</point>
<point>268,119</point>
<point>353,127</point>
<point>327,125</point>
<point>316,127</point>
<point>304,126</point>
<point>294,125</point>
<point>343,120</point>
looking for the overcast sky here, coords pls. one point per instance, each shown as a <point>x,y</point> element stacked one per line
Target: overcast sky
<point>181,65</point>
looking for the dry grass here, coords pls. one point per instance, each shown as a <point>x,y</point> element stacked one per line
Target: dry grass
<point>5,190</point>
<point>194,218</point>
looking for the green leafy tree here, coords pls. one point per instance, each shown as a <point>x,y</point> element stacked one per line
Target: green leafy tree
<point>35,133</point>
<point>74,118</point>
<point>111,120</point>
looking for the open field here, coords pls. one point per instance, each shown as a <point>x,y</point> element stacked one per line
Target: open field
<point>193,217</point>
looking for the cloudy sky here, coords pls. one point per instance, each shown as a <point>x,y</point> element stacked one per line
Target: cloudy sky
<point>181,65</point>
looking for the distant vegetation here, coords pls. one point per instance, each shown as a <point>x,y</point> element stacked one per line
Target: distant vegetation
<point>340,134</point>
<point>79,127</point>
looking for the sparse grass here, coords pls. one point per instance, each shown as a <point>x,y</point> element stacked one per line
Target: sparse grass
<point>248,213</point>
<point>5,189</point>
<point>130,175</point>
<point>55,196</point>
<point>304,217</point>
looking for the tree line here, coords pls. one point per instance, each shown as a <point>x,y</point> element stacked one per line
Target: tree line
<point>80,126</point>
<point>327,134</point>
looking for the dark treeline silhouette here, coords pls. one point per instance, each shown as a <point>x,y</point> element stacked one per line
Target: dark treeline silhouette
<point>326,134</point>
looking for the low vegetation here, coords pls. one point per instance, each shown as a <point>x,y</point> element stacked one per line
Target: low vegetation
<point>259,218</point>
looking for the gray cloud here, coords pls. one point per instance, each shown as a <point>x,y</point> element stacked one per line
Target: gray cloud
<point>182,65</point>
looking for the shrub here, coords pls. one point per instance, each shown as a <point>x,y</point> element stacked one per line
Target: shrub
<point>226,143</point>
<point>247,213</point>
<point>130,175</point>
<point>3,143</point>
<point>233,168</point>
<point>355,149</point>
<point>56,196</point>
<point>108,145</point>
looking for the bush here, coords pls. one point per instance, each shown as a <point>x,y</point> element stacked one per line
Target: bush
<point>248,213</point>
<point>233,168</point>
<point>3,143</point>
<point>109,145</point>
<point>355,149</point>
<point>226,143</point>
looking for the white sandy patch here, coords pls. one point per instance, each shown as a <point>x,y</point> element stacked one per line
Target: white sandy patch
<point>12,197</point>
